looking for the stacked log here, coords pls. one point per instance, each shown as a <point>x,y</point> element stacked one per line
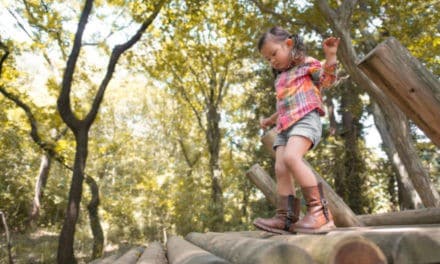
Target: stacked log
<point>153,254</point>
<point>245,250</point>
<point>131,256</point>
<point>181,251</point>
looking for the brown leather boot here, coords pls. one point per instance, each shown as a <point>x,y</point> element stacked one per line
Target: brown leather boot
<point>318,218</point>
<point>287,214</point>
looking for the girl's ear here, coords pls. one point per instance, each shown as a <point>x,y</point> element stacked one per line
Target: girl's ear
<point>289,42</point>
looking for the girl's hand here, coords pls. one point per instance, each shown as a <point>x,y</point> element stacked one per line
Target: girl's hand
<point>330,46</point>
<point>266,122</point>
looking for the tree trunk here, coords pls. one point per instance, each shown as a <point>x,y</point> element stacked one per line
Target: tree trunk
<point>95,224</point>
<point>43,174</point>
<point>213,139</point>
<point>339,22</point>
<point>351,185</point>
<point>65,246</point>
<point>408,196</point>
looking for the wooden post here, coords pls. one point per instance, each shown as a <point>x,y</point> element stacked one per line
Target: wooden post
<point>407,83</point>
<point>264,183</point>
<point>245,250</point>
<point>181,251</point>
<point>342,214</point>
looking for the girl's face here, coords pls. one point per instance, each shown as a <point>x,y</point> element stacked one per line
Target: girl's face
<point>278,54</point>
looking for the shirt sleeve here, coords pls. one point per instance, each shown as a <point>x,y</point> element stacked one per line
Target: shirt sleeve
<point>323,75</point>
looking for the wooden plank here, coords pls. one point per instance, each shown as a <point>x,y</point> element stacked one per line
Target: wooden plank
<point>407,83</point>
<point>153,254</point>
<point>245,250</point>
<point>180,251</point>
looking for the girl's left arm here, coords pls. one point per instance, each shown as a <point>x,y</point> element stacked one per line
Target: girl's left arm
<point>328,73</point>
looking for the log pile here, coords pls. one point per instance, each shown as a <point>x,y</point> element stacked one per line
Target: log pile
<point>400,244</point>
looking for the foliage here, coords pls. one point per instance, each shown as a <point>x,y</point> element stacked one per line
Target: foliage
<point>147,150</point>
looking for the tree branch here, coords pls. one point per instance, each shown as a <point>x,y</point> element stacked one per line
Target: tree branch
<point>63,101</point>
<point>116,53</point>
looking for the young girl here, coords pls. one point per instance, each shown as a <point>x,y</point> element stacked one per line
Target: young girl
<point>298,84</point>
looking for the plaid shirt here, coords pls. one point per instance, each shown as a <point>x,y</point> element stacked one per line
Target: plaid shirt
<point>298,91</point>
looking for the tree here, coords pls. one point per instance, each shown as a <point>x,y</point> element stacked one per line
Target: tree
<point>80,127</point>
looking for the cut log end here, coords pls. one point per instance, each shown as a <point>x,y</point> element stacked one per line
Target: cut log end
<point>358,252</point>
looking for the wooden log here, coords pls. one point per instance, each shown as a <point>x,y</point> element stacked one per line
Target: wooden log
<point>403,244</point>
<point>264,183</point>
<point>245,250</point>
<point>341,249</point>
<point>408,217</point>
<point>131,256</point>
<point>183,252</point>
<point>407,83</point>
<point>153,254</point>
<point>106,260</point>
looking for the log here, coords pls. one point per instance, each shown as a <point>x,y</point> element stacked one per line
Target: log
<point>131,256</point>
<point>183,252</point>
<point>264,183</point>
<point>153,254</point>
<point>338,249</point>
<point>403,244</point>
<point>245,250</point>
<point>408,217</point>
<point>106,260</point>
<point>407,83</point>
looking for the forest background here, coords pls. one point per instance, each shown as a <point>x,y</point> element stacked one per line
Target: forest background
<point>178,126</point>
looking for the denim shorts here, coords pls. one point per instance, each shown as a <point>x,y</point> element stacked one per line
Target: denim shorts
<point>309,127</point>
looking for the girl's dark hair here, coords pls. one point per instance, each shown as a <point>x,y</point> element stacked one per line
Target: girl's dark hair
<point>279,34</point>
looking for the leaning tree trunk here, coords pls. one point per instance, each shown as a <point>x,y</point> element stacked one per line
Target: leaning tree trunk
<point>408,196</point>
<point>340,23</point>
<point>43,174</point>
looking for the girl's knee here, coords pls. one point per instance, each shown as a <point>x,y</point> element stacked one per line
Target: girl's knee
<point>292,159</point>
<point>281,170</point>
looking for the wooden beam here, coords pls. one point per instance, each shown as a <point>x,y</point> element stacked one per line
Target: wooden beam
<point>407,83</point>
<point>239,249</point>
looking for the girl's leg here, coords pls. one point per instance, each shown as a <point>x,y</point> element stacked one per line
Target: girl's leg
<point>287,212</point>
<point>318,217</point>
<point>285,185</point>
<point>292,157</point>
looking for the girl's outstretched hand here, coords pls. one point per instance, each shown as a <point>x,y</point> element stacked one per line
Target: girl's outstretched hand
<point>330,46</point>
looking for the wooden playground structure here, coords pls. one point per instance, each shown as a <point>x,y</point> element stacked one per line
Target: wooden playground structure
<point>411,236</point>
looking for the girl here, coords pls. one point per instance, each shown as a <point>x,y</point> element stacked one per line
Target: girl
<point>298,84</point>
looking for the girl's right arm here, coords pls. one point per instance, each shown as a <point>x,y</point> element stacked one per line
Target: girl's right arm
<point>269,121</point>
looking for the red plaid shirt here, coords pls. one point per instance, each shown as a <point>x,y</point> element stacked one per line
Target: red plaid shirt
<point>298,91</point>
